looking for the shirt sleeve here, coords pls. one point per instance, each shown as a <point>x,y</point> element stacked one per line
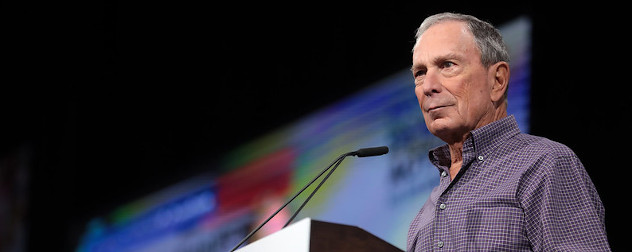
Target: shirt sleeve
<point>562,209</point>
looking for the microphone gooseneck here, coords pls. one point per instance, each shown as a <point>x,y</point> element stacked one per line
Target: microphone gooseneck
<point>365,152</point>
<point>339,161</point>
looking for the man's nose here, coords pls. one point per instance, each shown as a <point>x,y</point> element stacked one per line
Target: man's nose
<point>432,83</point>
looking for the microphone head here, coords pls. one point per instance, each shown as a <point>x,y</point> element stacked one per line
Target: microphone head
<point>369,152</point>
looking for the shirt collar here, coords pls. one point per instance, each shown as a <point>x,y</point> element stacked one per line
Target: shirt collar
<point>480,143</point>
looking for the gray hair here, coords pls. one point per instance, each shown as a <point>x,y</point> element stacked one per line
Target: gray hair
<point>487,37</point>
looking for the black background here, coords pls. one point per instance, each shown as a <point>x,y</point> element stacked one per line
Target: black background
<point>118,100</point>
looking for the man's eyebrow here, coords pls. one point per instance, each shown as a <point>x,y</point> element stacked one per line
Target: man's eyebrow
<point>448,56</point>
<point>414,67</point>
<point>437,60</point>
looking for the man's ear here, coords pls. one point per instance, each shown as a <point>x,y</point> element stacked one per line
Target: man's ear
<point>500,78</point>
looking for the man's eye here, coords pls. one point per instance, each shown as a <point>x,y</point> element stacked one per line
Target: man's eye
<point>420,73</point>
<point>447,64</point>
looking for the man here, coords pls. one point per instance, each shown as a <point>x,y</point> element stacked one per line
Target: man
<point>499,189</point>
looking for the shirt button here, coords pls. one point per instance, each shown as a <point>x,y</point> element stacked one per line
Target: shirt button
<point>444,174</point>
<point>442,206</point>
<point>440,244</point>
<point>480,158</point>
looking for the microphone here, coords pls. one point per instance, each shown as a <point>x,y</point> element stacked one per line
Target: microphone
<point>364,152</point>
<point>369,152</point>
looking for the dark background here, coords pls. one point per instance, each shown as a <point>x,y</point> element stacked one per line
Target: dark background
<point>118,100</point>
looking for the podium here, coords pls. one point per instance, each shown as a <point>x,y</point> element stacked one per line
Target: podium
<point>319,236</point>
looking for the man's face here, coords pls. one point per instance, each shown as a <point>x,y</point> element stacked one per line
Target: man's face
<point>451,84</point>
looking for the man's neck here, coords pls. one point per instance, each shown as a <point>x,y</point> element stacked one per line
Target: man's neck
<point>456,147</point>
<point>456,158</point>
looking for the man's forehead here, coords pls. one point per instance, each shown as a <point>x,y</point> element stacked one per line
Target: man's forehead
<point>445,38</point>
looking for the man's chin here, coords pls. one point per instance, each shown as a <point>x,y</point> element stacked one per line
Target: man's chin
<point>442,128</point>
<point>439,124</point>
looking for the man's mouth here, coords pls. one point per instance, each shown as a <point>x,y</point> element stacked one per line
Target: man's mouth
<point>436,107</point>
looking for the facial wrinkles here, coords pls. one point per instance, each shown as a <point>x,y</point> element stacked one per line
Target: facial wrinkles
<point>469,94</point>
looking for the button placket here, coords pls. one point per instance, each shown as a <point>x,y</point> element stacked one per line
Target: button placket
<point>440,227</point>
<point>441,220</point>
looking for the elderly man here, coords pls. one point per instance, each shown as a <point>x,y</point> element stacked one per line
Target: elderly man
<point>499,189</point>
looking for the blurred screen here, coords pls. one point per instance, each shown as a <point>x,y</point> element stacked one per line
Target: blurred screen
<point>379,194</point>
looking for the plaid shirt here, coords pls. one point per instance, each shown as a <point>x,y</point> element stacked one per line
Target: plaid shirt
<point>514,192</point>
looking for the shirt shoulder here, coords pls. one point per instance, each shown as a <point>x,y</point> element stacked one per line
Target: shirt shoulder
<point>541,157</point>
<point>552,163</point>
<point>541,146</point>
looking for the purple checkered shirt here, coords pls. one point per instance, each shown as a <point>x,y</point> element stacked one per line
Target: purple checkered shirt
<point>514,192</point>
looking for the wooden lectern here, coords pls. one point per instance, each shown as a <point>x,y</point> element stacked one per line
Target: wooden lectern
<point>309,235</point>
